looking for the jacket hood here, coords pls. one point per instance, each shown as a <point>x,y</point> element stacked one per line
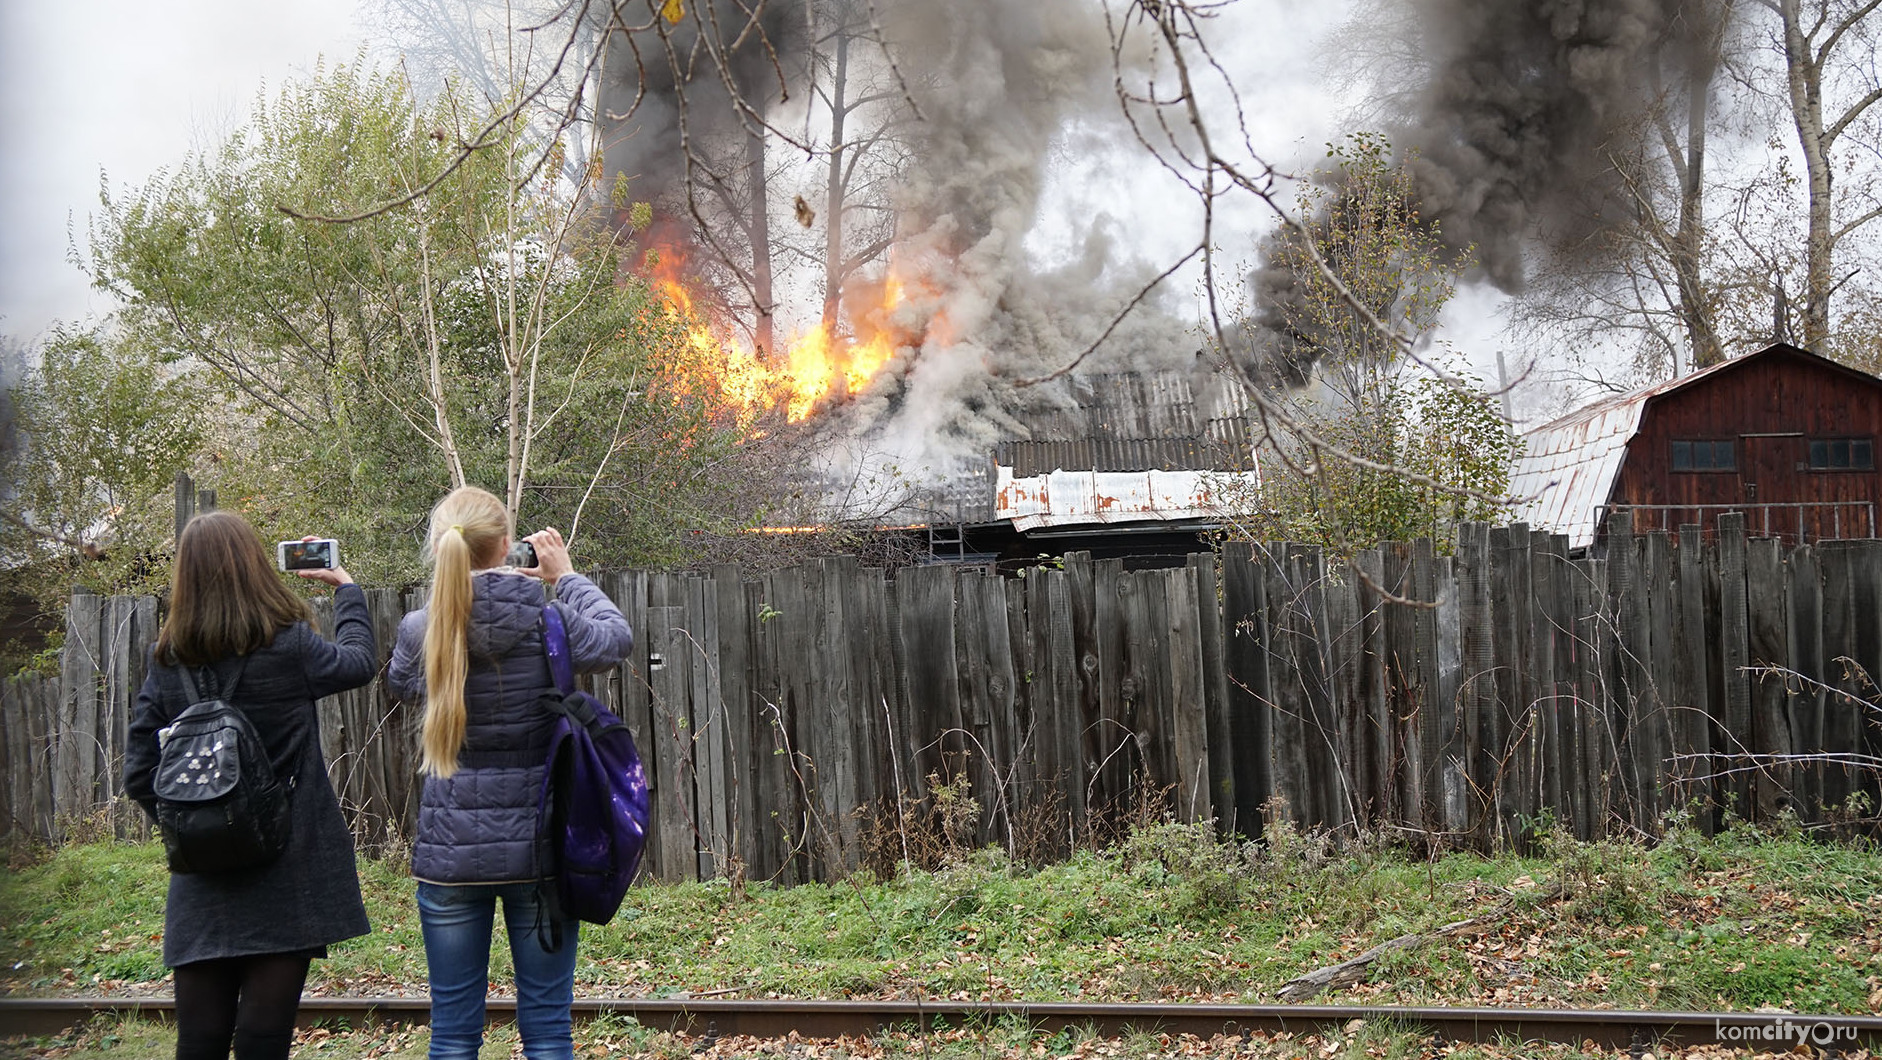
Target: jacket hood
<point>505,608</point>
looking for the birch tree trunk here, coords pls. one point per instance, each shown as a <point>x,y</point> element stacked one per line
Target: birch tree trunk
<point>764,304</point>
<point>1696,301</point>
<point>833,192</point>
<point>1817,36</point>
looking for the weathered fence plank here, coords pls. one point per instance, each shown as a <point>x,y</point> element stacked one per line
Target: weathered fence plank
<point>673,804</point>
<point>1768,649</point>
<point>1374,736</point>
<point>1805,690</point>
<point>78,752</point>
<point>1548,651</point>
<point>1247,635</point>
<point>1404,696</point>
<point>1287,752</point>
<point>1735,662</point>
<point>1627,675</point>
<point>1116,740</point>
<point>1650,735</point>
<point>1188,697</point>
<point>1867,564</point>
<point>1691,723</point>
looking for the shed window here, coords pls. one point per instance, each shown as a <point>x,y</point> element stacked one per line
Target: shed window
<point>1842,454</point>
<point>1704,456</point>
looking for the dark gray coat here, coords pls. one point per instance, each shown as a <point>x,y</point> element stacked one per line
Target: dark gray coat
<point>309,897</point>
<point>479,824</point>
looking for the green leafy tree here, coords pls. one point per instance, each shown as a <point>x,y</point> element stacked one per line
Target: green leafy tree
<point>1424,448</point>
<point>368,357</point>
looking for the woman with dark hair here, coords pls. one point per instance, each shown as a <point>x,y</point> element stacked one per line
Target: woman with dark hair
<point>474,655</point>
<point>240,941</point>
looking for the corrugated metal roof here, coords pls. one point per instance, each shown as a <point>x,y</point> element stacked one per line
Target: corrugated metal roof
<point>1568,466</point>
<point>963,494</point>
<point>1028,458</point>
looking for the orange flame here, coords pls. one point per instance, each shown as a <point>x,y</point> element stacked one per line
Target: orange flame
<point>814,369</point>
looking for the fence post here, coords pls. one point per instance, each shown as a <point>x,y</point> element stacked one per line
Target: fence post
<point>78,744</point>
<point>1770,681</point>
<point>1692,706</point>
<point>1247,649</point>
<point>1477,706</point>
<point>1734,649</point>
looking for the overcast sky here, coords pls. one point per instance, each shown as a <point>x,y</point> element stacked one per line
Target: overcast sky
<point>125,87</point>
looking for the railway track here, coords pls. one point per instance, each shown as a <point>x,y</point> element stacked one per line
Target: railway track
<point>1772,1032</point>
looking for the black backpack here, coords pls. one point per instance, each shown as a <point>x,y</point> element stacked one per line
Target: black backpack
<point>219,806</point>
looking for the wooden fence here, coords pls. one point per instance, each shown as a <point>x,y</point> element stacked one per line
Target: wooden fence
<point>789,720</point>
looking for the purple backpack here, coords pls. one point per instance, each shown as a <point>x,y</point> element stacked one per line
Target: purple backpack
<point>594,793</point>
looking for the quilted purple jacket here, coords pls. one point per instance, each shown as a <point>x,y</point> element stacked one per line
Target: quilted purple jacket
<point>479,824</point>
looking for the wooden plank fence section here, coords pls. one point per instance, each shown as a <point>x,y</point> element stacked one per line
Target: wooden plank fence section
<point>792,723</point>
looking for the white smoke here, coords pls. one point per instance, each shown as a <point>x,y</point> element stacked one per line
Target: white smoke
<point>997,85</point>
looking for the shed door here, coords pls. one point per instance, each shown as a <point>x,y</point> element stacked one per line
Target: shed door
<point>1767,474</point>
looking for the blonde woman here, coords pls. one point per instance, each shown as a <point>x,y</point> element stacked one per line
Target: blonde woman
<point>474,656</point>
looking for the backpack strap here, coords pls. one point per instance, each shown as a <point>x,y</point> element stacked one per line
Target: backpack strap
<point>555,641</point>
<point>195,692</point>
<point>189,685</point>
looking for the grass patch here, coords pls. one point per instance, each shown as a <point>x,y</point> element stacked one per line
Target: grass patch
<point>1740,920</point>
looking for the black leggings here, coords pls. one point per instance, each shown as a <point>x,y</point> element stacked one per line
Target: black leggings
<point>248,1001</point>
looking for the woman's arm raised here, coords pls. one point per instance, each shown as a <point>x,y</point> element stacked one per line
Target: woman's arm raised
<point>351,658</point>
<point>598,633</point>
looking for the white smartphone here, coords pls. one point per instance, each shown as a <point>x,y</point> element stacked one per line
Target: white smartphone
<point>322,553</point>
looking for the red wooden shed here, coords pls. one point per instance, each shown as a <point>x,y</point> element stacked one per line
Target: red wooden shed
<point>1783,435</point>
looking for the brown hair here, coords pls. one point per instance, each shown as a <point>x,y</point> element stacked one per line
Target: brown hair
<point>468,529</point>
<point>225,597</point>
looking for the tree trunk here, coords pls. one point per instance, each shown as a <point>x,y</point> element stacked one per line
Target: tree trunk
<point>833,193</point>
<point>1804,77</point>
<point>1696,305</point>
<point>763,304</point>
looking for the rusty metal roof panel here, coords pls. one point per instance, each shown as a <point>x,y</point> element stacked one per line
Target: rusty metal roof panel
<point>1064,498</point>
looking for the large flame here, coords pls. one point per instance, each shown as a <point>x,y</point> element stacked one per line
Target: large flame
<point>814,369</point>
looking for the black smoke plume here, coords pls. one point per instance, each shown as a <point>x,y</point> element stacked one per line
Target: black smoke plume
<point>668,101</point>
<point>1508,136</point>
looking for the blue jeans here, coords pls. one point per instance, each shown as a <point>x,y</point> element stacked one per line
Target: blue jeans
<point>457,921</point>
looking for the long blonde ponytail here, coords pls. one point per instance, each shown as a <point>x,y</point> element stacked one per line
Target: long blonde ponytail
<point>467,527</point>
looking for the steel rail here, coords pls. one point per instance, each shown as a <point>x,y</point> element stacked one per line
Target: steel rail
<point>829,1019</point>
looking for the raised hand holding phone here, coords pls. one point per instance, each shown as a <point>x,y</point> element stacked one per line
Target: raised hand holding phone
<point>314,558</point>
<point>552,555</point>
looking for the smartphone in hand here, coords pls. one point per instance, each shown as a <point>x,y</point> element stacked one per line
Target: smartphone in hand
<point>521,554</point>
<point>321,553</point>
